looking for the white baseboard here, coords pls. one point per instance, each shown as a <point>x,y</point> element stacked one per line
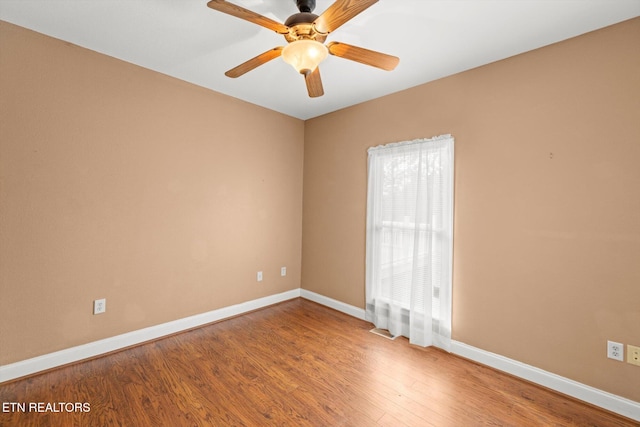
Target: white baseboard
<point>594,396</point>
<point>96,348</point>
<point>332,303</point>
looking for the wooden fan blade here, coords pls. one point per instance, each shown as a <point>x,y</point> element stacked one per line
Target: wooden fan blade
<point>314,83</point>
<point>363,56</point>
<point>248,15</point>
<point>340,12</point>
<point>263,58</point>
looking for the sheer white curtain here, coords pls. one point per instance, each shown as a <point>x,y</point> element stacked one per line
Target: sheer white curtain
<point>410,239</point>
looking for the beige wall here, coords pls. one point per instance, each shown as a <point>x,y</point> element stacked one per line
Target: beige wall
<point>120,183</point>
<point>547,246</point>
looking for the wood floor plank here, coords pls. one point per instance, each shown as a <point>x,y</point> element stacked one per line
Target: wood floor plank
<point>292,364</point>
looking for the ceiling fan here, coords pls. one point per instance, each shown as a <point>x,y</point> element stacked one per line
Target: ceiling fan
<point>305,33</point>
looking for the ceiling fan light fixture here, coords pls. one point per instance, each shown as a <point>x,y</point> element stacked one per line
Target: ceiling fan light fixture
<point>304,55</point>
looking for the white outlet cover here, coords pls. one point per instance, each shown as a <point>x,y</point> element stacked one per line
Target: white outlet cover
<point>99,306</point>
<point>259,276</point>
<point>615,350</point>
<point>283,271</point>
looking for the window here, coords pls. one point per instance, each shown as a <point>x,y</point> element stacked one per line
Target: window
<point>409,239</point>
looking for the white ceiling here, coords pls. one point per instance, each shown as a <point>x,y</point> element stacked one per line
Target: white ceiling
<point>432,38</point>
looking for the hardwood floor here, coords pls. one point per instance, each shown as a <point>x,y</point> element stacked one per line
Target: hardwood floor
<point>293,364</point>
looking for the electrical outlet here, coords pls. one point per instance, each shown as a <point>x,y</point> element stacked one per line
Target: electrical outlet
<point>283,271</point>
<point>259,276</point>
<point>615,350</point>
<point>633,355</point>
<point>99,306</point>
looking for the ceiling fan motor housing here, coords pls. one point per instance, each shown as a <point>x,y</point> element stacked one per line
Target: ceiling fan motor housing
<point>306,5</point>
<point>301,28</point>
